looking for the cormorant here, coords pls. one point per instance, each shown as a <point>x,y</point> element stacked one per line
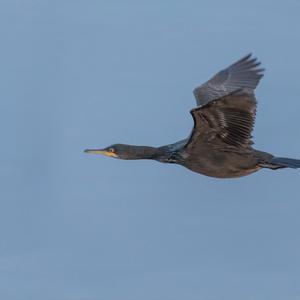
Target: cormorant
<point>220,142</point>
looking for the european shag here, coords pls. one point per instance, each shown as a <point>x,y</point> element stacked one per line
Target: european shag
<point>220,142</point>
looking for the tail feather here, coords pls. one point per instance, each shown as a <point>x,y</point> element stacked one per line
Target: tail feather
<point>283,162</point>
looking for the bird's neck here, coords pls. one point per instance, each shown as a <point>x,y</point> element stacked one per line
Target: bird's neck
<point>165,154</point>
<point>143,152</point>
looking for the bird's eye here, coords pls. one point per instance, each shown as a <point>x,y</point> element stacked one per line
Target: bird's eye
<point>112,150</point>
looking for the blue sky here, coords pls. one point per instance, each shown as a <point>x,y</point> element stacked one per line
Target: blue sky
<point>79,74</point>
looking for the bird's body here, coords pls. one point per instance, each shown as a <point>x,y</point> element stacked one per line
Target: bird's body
<point>221,164</point>
<point>220,143</point>
<point>228,163</point>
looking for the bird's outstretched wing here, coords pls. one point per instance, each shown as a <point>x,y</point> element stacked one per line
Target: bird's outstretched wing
<point>225,122</point>
<point>243,74</point>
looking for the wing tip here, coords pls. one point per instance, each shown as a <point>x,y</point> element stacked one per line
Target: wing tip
<point>248,60</point>
<point>249,66</point>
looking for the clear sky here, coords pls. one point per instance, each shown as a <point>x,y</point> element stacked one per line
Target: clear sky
<point>80,74</point>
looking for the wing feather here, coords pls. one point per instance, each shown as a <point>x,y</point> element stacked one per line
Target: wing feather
<point>243,74</point>
<point>227,121</point>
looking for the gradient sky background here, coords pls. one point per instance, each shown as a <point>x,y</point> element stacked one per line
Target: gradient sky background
<point>79,74</point>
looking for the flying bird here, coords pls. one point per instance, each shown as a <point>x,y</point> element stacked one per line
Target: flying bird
<point>220,144</point>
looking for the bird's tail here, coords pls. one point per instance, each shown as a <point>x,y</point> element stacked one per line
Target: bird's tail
<point>282,162</point>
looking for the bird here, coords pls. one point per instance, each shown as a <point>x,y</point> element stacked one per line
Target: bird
<point>220,143</point>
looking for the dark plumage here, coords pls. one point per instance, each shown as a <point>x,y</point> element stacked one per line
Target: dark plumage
<point>220,142</point>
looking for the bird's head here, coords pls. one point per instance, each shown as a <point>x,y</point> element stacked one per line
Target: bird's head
<point>115,151</point>
<point>124,151</point>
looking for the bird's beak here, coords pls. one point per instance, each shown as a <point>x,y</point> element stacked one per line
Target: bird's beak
<point>100,151</point>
